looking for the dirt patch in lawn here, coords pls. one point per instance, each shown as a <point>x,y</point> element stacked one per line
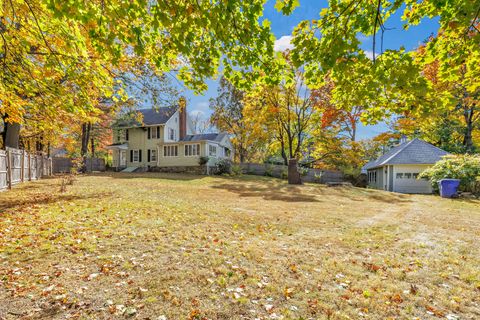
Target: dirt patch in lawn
<point>163,246</point>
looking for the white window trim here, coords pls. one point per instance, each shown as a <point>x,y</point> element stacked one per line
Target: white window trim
<point>152,130</point>
<point>138,156</point>
<point>210,152</point>
<point>168,146</point>
<point>192,155</point>
<point>156,155</point>
<point>174,134</point>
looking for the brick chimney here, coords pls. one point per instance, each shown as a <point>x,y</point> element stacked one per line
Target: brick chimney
<point>182,103</point>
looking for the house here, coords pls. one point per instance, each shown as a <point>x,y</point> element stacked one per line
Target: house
<point>165,138</point>
<point>398,169</point>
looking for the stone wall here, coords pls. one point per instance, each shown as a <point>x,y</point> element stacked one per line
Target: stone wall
<point>201,170</point>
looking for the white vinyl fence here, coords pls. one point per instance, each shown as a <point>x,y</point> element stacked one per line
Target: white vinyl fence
<point>17,166</point>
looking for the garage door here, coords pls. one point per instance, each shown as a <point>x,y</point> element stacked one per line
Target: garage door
<point>408,182</point>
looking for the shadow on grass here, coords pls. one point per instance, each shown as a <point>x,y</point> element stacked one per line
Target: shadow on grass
<point>362,194</point>
<point>30,200</point>
<point>149,175</point>
<point>269,191</point>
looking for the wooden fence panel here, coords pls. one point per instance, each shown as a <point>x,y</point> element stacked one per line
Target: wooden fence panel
<point>3,170</point>
<point>17,166</point>
<point>62,165</point>
<point>280,171</point>
<point>26,167</point>
<point>38,160</point>
<point>33,167</point>
<point>16,158</point>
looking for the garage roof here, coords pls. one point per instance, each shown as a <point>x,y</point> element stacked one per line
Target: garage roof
<point>415,151</point>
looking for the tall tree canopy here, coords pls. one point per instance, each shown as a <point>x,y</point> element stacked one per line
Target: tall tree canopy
<point>391,81</point>
<point>65,56</point>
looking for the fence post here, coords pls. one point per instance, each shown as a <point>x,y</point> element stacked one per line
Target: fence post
<point>9,169</point>
<point>22,166</point>
<point>29,167</point>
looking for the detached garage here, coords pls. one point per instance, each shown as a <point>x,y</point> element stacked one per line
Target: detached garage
<point>398,169</point>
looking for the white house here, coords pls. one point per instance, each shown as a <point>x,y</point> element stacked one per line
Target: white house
<point>165,138</point>
<point>398,169</point>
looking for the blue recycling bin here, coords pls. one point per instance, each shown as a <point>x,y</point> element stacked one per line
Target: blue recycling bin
<point>448,187</point>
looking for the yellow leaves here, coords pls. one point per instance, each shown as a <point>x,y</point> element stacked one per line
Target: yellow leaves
<point>292,268</point>
<point>288,292</point>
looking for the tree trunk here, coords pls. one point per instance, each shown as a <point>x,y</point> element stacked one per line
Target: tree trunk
<point>11,135</point>
<point>39,144</point>
<point>467,138</point>
<point>284,156</point>
<point>293,174</point>
<point>84,148</point>
<point>241,153</point>
<point>92,145</point>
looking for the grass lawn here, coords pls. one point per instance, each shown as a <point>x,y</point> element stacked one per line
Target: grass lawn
<point>158,246</point>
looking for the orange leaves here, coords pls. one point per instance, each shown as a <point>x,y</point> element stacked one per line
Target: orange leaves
<point>396,298</point>
<point>372,267</point>
<point>435,311</point>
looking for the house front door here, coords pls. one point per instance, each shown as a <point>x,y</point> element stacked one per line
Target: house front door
<point>123,158</point>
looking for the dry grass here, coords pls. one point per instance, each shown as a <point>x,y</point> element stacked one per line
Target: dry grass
<point>186,247</point>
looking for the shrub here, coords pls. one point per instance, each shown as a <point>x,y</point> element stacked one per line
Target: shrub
<point>303,171</point>
<point>203,160</point>
<point>317,177</point>
<point>284,174</point>
<point>466,168</point>
<point>268,170</point>
<point>237,170</point>
<point>354,176</point>
<point>223,166</point>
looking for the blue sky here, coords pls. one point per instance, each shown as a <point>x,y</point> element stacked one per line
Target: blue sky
<point>282,27</point>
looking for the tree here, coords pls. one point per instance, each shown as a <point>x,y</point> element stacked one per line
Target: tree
<point>390,82</point>
<point>284,111</point>
<point>59,55</point>
<point>459,103</point>
<point>200,124</point>
<point>228,116</point>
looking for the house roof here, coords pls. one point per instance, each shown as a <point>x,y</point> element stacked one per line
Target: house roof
<point>151,116</point>
<point>217,137</point>
<point>415,151</point>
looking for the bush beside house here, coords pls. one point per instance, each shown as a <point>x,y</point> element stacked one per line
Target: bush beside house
<point>466,168</point>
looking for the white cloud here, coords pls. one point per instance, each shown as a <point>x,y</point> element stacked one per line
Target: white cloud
<point>283,43</point>
<point>369,54</point>
<point>203,105</point>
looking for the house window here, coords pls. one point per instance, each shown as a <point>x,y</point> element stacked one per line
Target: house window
<point>192,150</point>
<point>372,176</point>
<point>153,155</point>
<point>170,151</point>
<point>415,176</point>
<point>136,156</point>
<point>122,134</point>
<point>399,175</point>
<point>171,133</point>
<point>153,132</point>
<point>227,152</point>
<point>212,151</point>
<point>408,175</point>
